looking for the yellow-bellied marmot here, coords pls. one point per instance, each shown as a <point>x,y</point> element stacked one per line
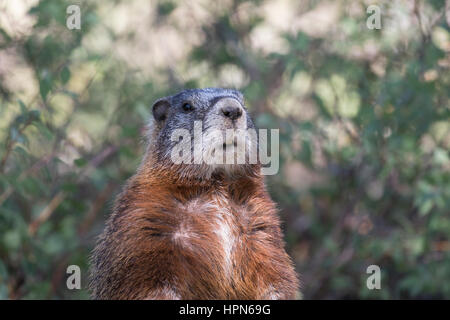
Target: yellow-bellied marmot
<point>194,229</point>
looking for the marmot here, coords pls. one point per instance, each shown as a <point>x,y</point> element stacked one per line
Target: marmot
<point>193,230</point>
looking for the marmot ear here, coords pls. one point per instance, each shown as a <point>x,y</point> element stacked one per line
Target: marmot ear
<point>160,109</point>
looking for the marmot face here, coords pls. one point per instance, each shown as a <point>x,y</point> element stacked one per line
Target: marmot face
<point>201,132</point>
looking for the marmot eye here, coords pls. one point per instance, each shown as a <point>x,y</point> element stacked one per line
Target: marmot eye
<point>187,107</point>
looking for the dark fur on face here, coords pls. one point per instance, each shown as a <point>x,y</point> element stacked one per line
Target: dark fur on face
<point>208,106</point>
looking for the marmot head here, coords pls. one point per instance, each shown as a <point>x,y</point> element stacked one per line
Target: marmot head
<point>199,133</point>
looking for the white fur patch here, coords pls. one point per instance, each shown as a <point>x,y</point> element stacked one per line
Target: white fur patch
<point>181,235</point>
<point>222,223</point>
<point>227,238</point>
<point>166,293</point>
<point>272,294</point>
<point>224,231</point>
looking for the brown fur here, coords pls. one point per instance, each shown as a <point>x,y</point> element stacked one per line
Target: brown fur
<point>157,247</point>
<point>173,236</point>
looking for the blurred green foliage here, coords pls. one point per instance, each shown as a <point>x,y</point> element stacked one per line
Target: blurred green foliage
<point>363,117</point>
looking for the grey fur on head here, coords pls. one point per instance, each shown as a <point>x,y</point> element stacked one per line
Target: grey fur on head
<point>217,109</point>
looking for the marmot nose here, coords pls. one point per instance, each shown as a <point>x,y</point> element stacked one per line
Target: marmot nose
<point>232,112</point>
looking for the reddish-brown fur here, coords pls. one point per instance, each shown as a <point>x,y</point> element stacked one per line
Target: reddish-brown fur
<point>161,242</point>
<point>178,237</point>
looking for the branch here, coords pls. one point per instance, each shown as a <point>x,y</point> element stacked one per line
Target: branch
<point>10,144</point>
<point>46,213</point>
<point>447,11</point>
<point>61,195</point>
<point>97,205</point>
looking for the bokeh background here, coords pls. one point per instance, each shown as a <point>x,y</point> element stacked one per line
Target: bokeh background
<point>363,117</point>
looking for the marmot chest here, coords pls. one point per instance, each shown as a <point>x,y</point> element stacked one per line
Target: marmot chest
<point>212,225</point>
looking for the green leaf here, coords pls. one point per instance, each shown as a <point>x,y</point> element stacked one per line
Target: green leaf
<point>45,86</point>
<point>48,135</point>
<point>34,115</point>
<point>166,7</point>
<point>11,239</point>
<point>81,162</point>
<point>65,75</point>
<point>23,108</point>
<point>425,207</point>
<point>306,153</point>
